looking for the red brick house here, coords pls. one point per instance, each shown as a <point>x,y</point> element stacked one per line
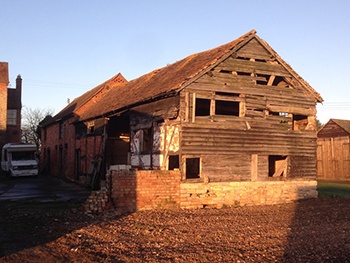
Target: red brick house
<point>234,124</point>
<point>10,107</point>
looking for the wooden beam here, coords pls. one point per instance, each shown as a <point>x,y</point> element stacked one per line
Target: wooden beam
<point>280,169</point>
<point>271,79</point>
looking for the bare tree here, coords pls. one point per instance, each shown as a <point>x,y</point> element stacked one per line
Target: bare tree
<point>31,119</point>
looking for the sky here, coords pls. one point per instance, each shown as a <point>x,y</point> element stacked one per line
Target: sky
<point>63,48</point>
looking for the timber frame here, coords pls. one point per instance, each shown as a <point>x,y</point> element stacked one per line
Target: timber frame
<point>234,113</point>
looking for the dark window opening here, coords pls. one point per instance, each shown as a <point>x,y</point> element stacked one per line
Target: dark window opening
<point>225,71</point>
<point>60,159</point>
<point>277,165</point>
<point>147,142</point>
<point>279,82</point>
<point>260,60</point>
<point>60,130</point>
<point>242,58</point>
<point>192,168</point>
<point>281,114</point>
<point>240,73</point>
<point>226,108</point>
<point>174,162</point>
<point>227,94</point>
<point>202,107</point>
<point>262,82</point>
<point>300,122</point>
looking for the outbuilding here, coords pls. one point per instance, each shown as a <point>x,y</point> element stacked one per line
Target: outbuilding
<point>333,151</point>
<point>231,125</point>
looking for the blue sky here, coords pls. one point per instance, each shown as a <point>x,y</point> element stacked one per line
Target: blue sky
<point>64,48</point>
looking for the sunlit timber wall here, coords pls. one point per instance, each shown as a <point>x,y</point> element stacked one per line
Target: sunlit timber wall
<point>144,190</point>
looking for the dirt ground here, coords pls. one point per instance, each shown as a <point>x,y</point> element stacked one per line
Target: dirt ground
<point>308,231</point>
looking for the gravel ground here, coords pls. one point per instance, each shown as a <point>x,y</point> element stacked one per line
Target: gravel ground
<point>307,231</point>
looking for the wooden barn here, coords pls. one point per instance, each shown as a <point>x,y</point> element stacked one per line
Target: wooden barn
<point>236,113</point>
<point>333,151</point>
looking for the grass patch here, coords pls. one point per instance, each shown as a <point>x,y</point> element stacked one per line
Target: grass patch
<point>333,189</point>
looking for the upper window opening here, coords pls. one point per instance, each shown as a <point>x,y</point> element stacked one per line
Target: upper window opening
<point>240,73</point>
<point>174,162</point>
<point>223,107</point>
<point>300,122</point>
<point>60,132</point>
<point>192,168</point>
<point>12,117</point>
<point>243,58</point>
<point>260,60</point>
<point>227,94</point>
<point>225,71</point>
<point>202,107</point>
<point>262,82</point>
<point>279,82</point>
<point>283,114</point>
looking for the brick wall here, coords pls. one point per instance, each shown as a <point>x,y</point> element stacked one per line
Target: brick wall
<point>245,193</point>
<point>142,190</point>
<point>4,80</point>
<point>89,147</point>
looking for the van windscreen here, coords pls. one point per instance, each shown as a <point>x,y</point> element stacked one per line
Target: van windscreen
<point>17,156</point>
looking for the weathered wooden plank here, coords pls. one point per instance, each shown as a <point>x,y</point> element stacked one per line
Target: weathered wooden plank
<point>247,66</point>
<point>252,89</point>
<point>291,109</point>
<point>253,49</point>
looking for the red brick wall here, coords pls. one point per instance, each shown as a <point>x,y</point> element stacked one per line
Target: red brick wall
<point>143,190</point>
<point>89,146</point>
<point>4,79</point>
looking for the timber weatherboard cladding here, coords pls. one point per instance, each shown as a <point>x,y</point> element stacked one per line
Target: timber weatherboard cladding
<point>226,144</point>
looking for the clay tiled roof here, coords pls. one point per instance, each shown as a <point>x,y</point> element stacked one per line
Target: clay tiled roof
<point>120,96</point>
<point>79,102</point>
<point>160,81</point>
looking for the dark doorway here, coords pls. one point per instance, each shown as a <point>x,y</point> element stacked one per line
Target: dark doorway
<point>192,168</point>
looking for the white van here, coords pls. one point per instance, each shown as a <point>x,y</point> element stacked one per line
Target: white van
<point>18,159</point>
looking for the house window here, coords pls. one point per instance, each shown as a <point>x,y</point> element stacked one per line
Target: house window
<point>277,165</point>
<point>174,162</point>
<point>202,107</point>
<point>60,132</point>
<point>192,168</point>
<point>223,107</point>
<point>12,117</point>
<point>147,140</point>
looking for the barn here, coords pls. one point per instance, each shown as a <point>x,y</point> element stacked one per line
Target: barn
<point>333,151</point>
<point>231,125</point>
